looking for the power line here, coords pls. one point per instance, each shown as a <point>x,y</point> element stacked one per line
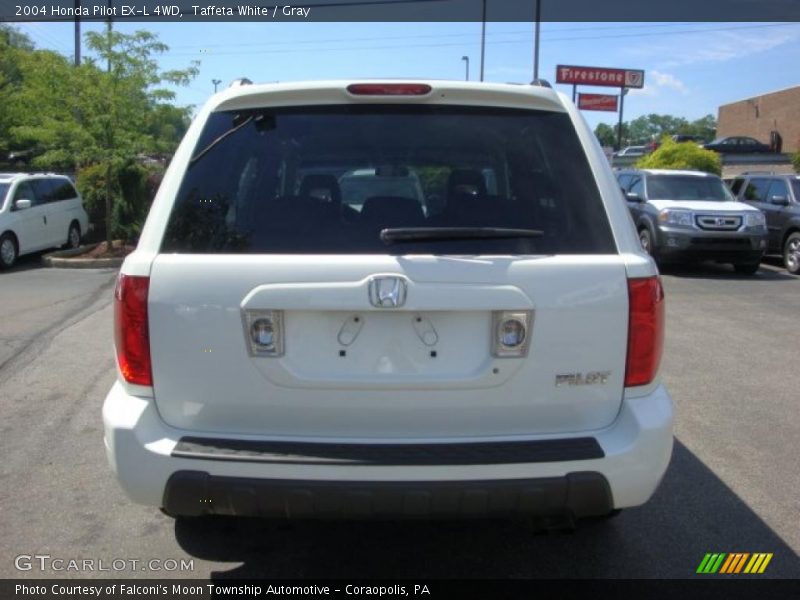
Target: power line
<point>420,36</point>
<point>46,39</point>
<point>461,44</point>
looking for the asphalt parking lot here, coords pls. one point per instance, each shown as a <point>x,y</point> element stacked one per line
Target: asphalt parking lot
<point>730,364</point>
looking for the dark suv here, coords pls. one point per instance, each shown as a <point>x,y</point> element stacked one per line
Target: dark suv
<point>692,216</point>
<point>778,197</point>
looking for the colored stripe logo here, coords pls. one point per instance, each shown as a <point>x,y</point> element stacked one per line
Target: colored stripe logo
<point>734,563</point>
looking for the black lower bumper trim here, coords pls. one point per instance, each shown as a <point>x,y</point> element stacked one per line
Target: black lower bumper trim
<point>576,495</point>
<point>483,453</point>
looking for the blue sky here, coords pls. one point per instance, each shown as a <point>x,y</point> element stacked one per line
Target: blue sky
<point>691,68</point>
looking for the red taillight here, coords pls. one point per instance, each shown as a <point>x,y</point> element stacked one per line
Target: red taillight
<point>389,89</point>
<point>645,330</point>
<point>131,332</point>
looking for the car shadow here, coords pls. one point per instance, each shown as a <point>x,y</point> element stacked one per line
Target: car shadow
<point>692,513</point>
<point>28,262</point>
<point>770,270</point>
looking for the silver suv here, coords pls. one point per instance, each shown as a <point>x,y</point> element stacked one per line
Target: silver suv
<point>692,216</point>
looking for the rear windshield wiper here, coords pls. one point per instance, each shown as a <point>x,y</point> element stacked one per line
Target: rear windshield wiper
<point>219,139</point>
<point>397,235</point>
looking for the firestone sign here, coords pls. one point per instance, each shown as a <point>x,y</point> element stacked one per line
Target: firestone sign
<point>629,78</point>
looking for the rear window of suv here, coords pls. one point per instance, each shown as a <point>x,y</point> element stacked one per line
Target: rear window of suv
<point>282,181</point>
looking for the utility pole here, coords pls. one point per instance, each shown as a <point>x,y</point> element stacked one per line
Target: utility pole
<point>108,38</point>
<point>466,60</point>
<point>77,33</point>
<point>623,91</point>
<point>216,82</point>
<point>538,17</point>
<point>483,36</point>
<point>109,133</point>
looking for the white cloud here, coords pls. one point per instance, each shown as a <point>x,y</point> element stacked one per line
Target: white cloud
<point>658,81</point>
<point>714,46</point>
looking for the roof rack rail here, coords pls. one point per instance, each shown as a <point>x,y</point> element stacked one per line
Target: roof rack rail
<point>759,173</point>
<point>542,83</point>
<point>240,82</point>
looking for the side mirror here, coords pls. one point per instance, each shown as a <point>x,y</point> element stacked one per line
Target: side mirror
<point>22,204</point>
<point>633,197</point>
<point>779,200</point>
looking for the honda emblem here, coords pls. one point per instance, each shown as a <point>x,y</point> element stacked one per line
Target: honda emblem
<point>387,292</point>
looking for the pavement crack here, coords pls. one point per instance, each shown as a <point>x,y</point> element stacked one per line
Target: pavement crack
<point>41,340</point>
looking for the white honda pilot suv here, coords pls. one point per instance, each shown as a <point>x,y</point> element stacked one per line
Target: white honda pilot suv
<point>490,347</point>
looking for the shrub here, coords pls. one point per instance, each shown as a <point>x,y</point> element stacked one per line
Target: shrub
<point>133,188</point>
<point>796,161</point>
<point>687,155</point>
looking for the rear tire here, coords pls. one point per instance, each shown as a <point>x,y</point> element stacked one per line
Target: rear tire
<point>747,268</point>
<point>8,251</point>
<point>791,253</point>
<point>74,236</point>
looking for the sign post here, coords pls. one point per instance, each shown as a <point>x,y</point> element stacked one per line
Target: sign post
<point>622,93</point>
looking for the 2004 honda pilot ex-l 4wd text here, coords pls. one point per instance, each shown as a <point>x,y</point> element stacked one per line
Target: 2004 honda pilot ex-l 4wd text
<point>490,347</point>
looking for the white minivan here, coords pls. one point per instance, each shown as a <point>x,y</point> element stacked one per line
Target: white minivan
<point>38,211</point>
<point>287,347</point>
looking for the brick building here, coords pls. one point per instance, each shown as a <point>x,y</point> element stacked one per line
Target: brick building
<point>758,116</point>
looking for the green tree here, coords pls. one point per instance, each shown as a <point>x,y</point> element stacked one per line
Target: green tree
<point>796,161</point>
<point>13,45</point>
<point>606,134</point>
<point>704,128</point>
<point>123,99</point>
<point>682,156</point>
<point>108,111</point>
<point>654,127</point>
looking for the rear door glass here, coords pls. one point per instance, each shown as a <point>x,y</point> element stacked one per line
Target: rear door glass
<point>328,179</point>
<point>756,190</point>
<point>62,190</point>
<point>44,190</point>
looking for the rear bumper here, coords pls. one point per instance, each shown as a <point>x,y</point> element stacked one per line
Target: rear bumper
<point>621,467</point>
<point>193,493</point>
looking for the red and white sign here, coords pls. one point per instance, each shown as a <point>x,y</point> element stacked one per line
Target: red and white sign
<point>598,102</point>
<point>629,78</point>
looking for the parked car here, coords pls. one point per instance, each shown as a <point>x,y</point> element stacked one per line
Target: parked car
<point>692,216</point>
<point>778,197</point>
<point>38,211</point>
<point>632,151</point>
<point>498,356</point>
<point>737,145</point>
